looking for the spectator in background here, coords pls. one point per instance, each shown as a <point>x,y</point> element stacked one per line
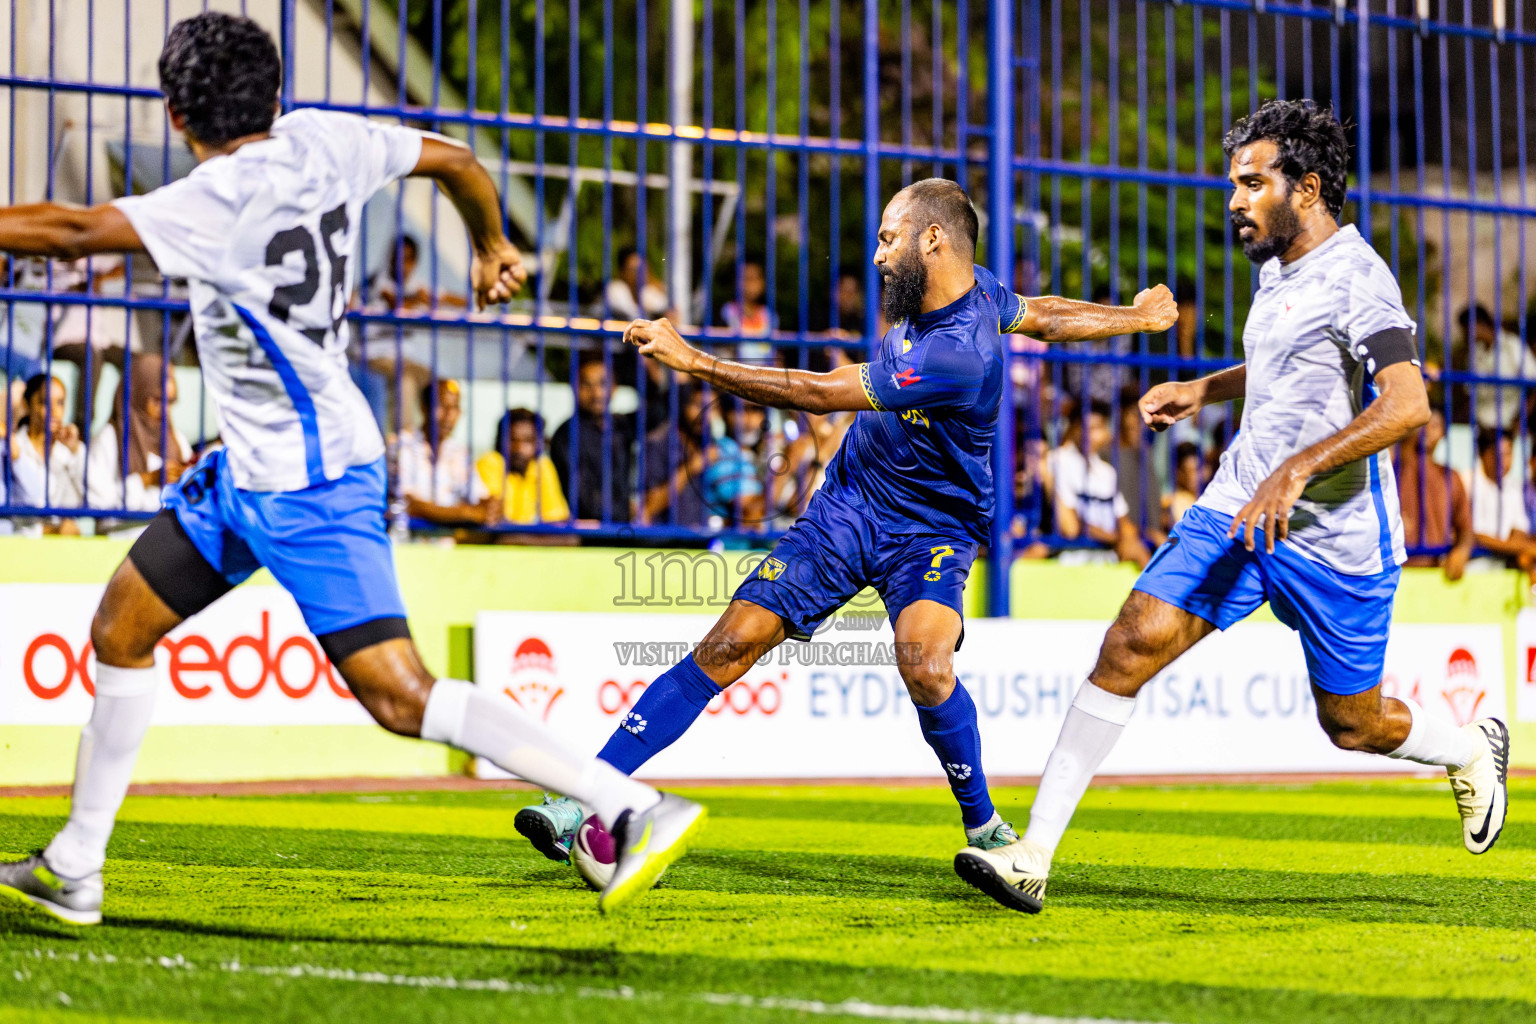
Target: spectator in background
<point>49,450</point>
<point>398,352</point>
<point>1496,353</point>
<point>1033,396</point>
<point>394,289</point>
<point>748,315</point>
<point>23,325</point>
<point>1086,494</point>
<point>1220,438</point>
<point>516,474</point>
<point>596,455</point>
<point>106,334</point>
<point>1186,330</point>
<point>432,471</point>
<point>1530,487</point>
<point>1188,482</point>
<point>1097,382</point>
<point>20,482</point>
<point>401,289</point>
<point>736,471</point>
<point>1499,522</point>
<point>812,440</point>
<point>627,297</point>
<point>126,467</point>
<point>1139,485</point>
<point>1435,509</point>
<point>674,464</point>
<point>848,317</point>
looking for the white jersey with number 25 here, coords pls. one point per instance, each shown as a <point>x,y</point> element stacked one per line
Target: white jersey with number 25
<point>265,239</point>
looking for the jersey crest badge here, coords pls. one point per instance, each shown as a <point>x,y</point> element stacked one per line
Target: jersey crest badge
<point>916,417</point>
<point>770,569</point>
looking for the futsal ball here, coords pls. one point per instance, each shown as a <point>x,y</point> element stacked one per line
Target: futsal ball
<point>592,853</point>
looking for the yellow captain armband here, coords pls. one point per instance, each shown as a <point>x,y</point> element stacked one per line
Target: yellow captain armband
<point>1018,317</point>
<point>869,392</point>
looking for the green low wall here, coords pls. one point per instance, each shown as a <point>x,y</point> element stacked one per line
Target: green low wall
<point>444,588</point>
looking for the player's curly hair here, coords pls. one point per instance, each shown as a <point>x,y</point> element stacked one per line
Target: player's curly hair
<point>1308,139</point>
<point>221,74</point>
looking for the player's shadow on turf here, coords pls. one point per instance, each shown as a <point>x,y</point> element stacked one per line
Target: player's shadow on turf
<point>159,924</point>
<point>18,920</point>
<point>1067,890</point>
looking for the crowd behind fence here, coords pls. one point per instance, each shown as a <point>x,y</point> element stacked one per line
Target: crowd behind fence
<point>725,164</point>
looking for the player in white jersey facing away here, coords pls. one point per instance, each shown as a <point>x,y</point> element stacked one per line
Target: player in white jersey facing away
<point>1303,512</point>
<point>264,230</point>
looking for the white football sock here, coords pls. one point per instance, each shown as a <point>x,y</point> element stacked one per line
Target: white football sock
<point>1433,739</point>
<point>1094,722</point>
<point>488,725</point>
<point>109,744</point>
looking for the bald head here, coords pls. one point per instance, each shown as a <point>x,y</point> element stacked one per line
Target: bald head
<point>943,202</point>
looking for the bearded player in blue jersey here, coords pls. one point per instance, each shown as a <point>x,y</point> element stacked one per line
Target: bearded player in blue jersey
<point>907,499</point>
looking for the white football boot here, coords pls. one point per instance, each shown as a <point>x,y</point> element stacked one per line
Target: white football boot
<point>71,900</point>
<point>1014,875</point>
<point>645,844</point>
<point>1482,785</point>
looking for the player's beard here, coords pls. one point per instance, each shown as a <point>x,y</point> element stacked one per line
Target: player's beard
<point>1284,226</point>
<point>906,282</point>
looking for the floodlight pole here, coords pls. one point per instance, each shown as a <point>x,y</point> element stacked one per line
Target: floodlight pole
<point>1000,222</point>
<point>680,160</point>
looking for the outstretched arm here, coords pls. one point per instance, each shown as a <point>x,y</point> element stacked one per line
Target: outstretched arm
<point>1175,400</point>
<point>497,273</point>
<point>1054,319</point>
<point>1401,408</point>
<point>840,390</point>
<point>65,232</point>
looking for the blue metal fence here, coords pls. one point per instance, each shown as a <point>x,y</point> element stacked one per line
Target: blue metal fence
<point>744,151</point>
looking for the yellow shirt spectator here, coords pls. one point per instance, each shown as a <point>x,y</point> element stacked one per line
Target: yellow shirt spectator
<point>532,496</point>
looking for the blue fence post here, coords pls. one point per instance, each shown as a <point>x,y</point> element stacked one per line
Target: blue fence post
<point>1000,254</point>
<point>873,202</point>
<point>288,41</point>
<point>1363,114</point>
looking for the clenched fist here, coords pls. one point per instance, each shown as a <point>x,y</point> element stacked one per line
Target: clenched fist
<point>1157,305</point>
<point>660,340</point>
<point>498,274</point>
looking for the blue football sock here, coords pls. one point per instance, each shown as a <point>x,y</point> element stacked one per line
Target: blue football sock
<point>663,713</point>
<point>950,729</point>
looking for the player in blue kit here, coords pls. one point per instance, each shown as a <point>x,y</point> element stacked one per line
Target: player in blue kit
<point>264,230</point>
<point>907,499</point>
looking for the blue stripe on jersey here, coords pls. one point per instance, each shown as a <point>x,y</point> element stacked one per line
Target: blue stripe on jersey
<point>1387,561</point>
<point>1385,538</point>
<point>314,463</point>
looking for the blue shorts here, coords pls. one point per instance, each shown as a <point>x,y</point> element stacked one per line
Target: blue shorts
<point>833,551</point>
<point>1343,619</point>
<point>326,545</point>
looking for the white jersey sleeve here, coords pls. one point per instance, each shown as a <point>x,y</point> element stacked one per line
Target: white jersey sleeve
<point>1368,301</point>
<point>388,152</point>
<point>266,238</point>
<point>185,226</point>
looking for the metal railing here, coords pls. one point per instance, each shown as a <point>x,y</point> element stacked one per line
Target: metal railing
<point>741,147</point>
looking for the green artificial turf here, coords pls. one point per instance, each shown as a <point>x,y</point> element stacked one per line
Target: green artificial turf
<point>1338,902</point>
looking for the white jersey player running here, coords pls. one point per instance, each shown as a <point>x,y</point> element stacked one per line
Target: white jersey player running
<point>264,231</point>
<point>1303,512</point>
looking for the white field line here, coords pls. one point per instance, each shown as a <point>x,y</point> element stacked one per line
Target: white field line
<point>814,1007</point>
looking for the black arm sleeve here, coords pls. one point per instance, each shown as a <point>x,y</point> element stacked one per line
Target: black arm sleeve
<point>1387,348</point>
